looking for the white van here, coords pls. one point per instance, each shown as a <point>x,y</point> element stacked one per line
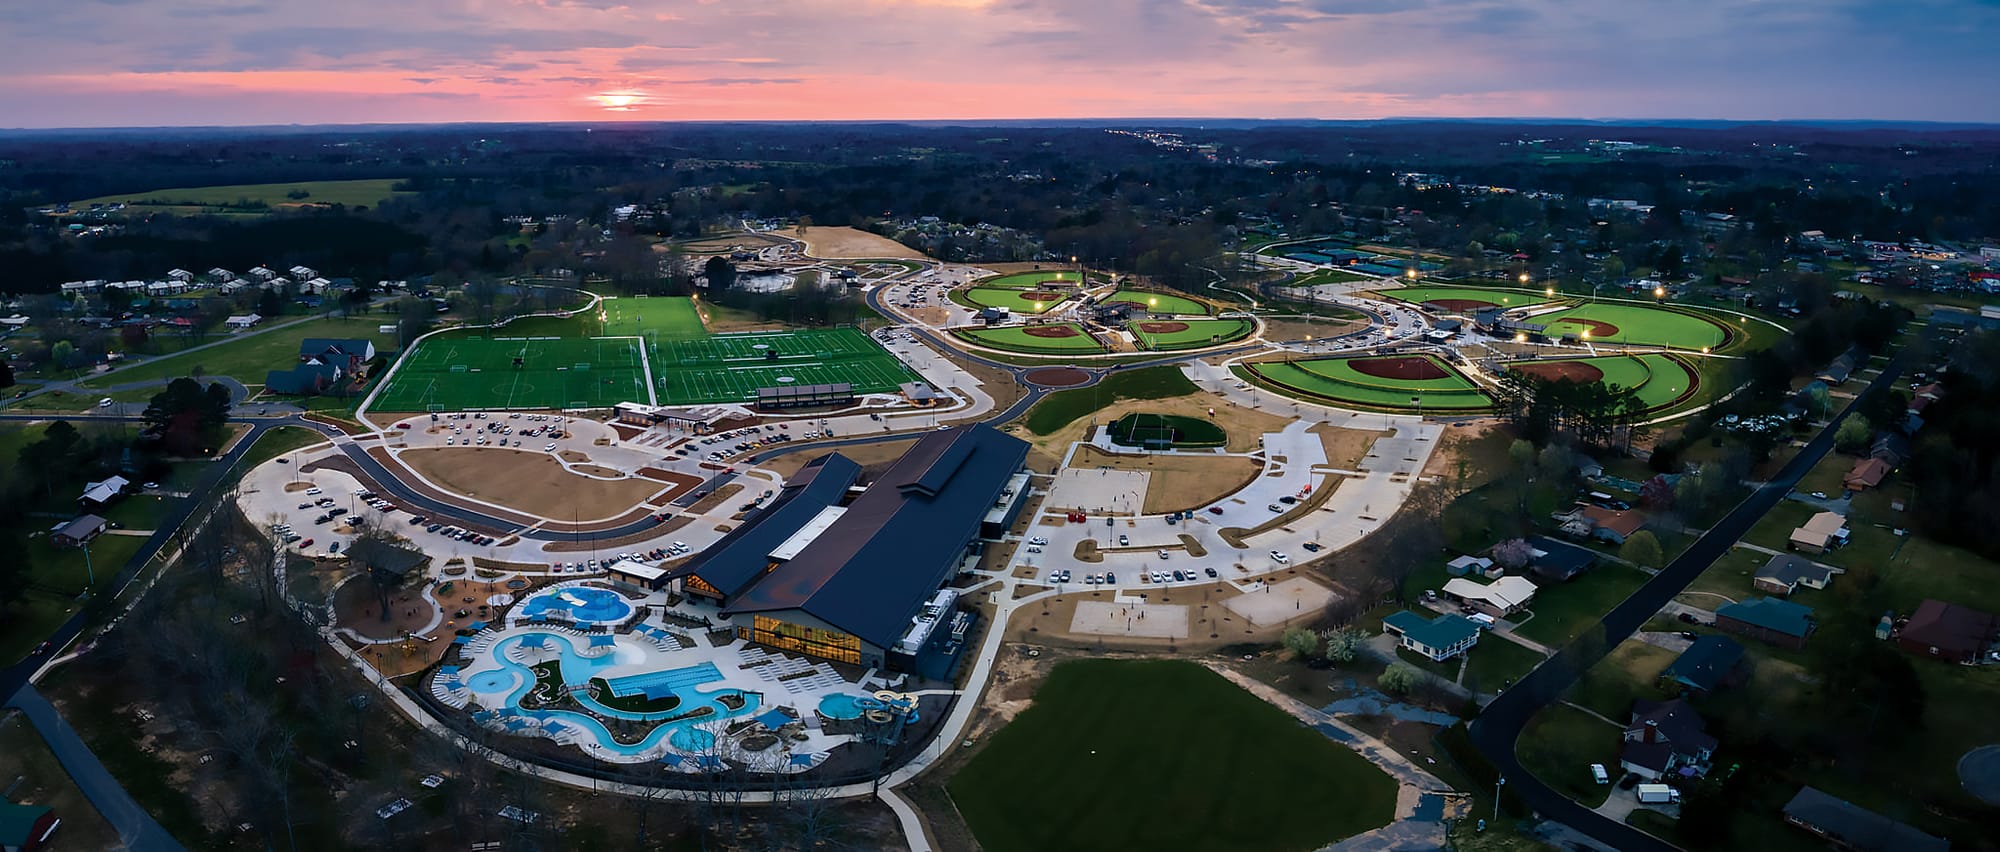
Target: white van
<point>1484,621</point>
<point>1598,774</point>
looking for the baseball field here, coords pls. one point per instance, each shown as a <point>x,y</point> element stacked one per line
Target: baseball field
<point>1020,301</point>
<point>1158,303</point>
<point>1189,334</point>
<point>1066,338</point>
<point>1378,381</point>
<point>1463,298</point>
<point>1635,324</point>
<point>1659,380</point>
<point>1030,280</point>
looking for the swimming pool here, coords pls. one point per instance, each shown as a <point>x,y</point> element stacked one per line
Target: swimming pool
<point>841,705</point>
<point>578,670</point>
<point>580,604</point>
<point>662,683</point>
<point>489,682</point>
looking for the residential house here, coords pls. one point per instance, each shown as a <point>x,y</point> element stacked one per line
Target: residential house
<point>1666,738</point>
<point>97,495</point>
<point>1838,372</point>
<point>1851,827</point>
<point>1438,639</point>
<point>1948,631</point>
<point>348,354</point>
<point>1604,524</point>
<point>310,378</point>
<point>1465,566</point>
<point>263,275</point>
<point>233,285</point>
<point>1771,620</point>
<point>1559,560</point>
<point>243,321</point>
<point>303,273</point>
<point>25,828</point>
<point>1709,663</point>
<point>180,275</point>
<point>1821,533</point>
<point>1890,447</point>
<point>1784,573</point>
<point>218,274</point>
<point>78,531</point>
<point>1500,598</point>
<point>1867,473</point>
<point>315,285</point>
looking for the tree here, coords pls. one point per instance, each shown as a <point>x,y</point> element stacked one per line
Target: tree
<point>13,570</point>
<point>1819,400</point>
<point>1344,644</point>
<point>1400,678</point>
<point>1643,549</point>
<point>1522,454</point>
<point>1301,642</point>
<point>1853,435</point>
<point>721,274</point>
<point>61,353</point>
<point>1657,493</point>
<point>1513,554</point>
<point>6,374</point>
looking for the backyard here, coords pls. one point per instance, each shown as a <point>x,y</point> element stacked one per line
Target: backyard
<point>1204,766</point>
<point>249,357</point>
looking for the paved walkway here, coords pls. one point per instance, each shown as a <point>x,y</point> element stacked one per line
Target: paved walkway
<point>136,829</point>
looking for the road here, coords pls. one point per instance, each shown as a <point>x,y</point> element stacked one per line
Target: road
<point>1498,727</point>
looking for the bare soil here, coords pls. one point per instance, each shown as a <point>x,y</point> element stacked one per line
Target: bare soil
<point>1398,368</point>
<point>843,243</point>
<point>1178,481</point>
<point>1345,448</point>
<point>530,482</point>
<point>1319,329</point>
<point>1058,377</point>
<point>1051,331</point>
<point>1162,327</point>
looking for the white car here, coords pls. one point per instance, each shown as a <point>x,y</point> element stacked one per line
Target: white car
<point>1038,540</point>
<point>313,492</point>
<point>1280,557</point>
<point>550,447</point>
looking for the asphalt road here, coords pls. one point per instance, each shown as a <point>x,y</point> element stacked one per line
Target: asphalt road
<point>1500,724</point>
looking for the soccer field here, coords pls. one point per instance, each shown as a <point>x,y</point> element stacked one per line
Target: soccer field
<point>666,318</point>
<point>731,367</point>
<point>474,371</point>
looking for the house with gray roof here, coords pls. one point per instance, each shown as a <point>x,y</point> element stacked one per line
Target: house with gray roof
<point>1784,573</point>
<point>1846,825</point>
<point>1666,738</point>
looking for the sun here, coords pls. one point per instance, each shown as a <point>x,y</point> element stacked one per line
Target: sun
<point>620,101</point>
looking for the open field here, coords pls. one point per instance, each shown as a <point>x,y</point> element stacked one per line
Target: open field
<point>1559,745</point>
<point>1167,430</point>
<point>1153,755</point>
<point>1464,298</point>
<point>1020,301</point>
<point>731,367</point>
<point>1635,324</point>
<point>530,481</point>
<point>1189,334</point>
<point>1066,338</point>
<point>671,318</point>
<point>1382,382</point>
<point>1562,610</point>
<point>840,243</point>
<point>1031,279</point>
<point>1177,481</point>
<point>232,198</point>
<point>35,777</point>
<point>249,357</point>
<point>1060,408</point>
<point>468,371</point>
<point>1159,303</point>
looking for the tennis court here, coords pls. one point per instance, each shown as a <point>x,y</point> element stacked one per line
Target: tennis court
<point>474,371</point>
<point>731,367</point>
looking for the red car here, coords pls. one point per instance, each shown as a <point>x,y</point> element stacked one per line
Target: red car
<point>1215,510</point>
<point>305,544</point>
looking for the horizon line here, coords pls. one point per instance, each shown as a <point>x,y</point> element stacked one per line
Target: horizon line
<point>1164,121</point>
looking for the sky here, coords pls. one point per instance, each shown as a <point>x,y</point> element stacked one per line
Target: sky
<point>97,63</point>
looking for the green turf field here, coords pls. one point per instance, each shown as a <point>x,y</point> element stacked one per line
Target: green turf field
<point>453,371</point>
<point>1336,379</point>
<point>1166,430</point>
<point>1659,380</point>
<point>1017,339</point>
<point>222,199</point>
<point>1159,303</point>
<point>1199,333</point>
<point>1496,298</point>
<point>1007,297</point>
<point>669,318</point>
<point>731,367</point>
<point>1637,324</point>
<point>1117,755</point>
<point>1030,280</point>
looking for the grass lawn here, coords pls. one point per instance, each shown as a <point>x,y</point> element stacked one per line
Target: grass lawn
<point>32,619</point>
<point>1007,297</point>
<point>1061,408</point>
<point>1018,339</point>
<point>249,357</point>
<point>278,442</point>
<point>1562,610</point>
<point>1139,429</point>
<point>139,511</point>
<point>1630,672</point>
<point>62,570</point>
<point>1159,303</point>
<point>1868,546</point>
<point>1328,276</point>
<point>1496,662</point>
<point>225,199</point>
<point>629,316</point>
<point>1155,755</point>
<point>1730,577</point>
<point>1336,379</point>
<point>1637,324</point>
<point>1198,333</point>
<point>1559,745</point>
<point>35,777</point>
<point>1493,298</point>
<point>1030,280</point>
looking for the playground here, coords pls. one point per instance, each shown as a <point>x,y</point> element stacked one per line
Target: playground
<point>1189,334</point>
<point>1395,382</point>
<point>475,371</point>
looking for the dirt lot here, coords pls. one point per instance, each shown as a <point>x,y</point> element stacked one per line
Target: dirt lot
<point>1245,426</point>
<point>1345,448</point>
<point>530,482</point>
<point>1210,624</point>
<point>830,242</point>
<point>873,458</point>
<point>1319,329</point>
<point>1178,481</point>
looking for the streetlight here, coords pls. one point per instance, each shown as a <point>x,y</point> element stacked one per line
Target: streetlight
<point>1524,277</point>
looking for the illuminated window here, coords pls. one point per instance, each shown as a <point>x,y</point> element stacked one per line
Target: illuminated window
<point>786,636</point>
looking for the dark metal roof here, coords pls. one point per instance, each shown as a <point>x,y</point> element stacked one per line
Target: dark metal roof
<point>1705,663</point>
<point>1856,827</point>
<point>735,562</point>
<point>875,566</point>
<point>1560,560</point>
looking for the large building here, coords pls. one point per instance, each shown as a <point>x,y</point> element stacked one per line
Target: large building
<point>859,577</point>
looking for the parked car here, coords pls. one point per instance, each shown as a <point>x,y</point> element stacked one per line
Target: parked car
<point>1280,557</point>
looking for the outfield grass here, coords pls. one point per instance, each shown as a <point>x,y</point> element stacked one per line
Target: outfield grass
<point>1159,303</point>
<point>1005,297</point>
<point>731,367</point>
<point>1336,379</point>
<point>1017,339</point>
<point>352,193</point>
<point>1062,408</point>
<point>1659,380</point>
<point>1198,333</point>
<point>1029,280</point>
<point>1637,324</point>
<point>1138,429</point>
<point>1161,754</point>
<point>1496,298</point>
<point>247,358</point>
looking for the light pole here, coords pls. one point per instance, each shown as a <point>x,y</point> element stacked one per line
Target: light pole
<point>1498,782</point>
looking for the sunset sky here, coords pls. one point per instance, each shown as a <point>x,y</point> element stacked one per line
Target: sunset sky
<point>190,62</point>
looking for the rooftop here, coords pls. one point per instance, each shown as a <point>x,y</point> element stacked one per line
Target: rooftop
<point>1856,827</point>
<point>1705,663</point>
<point>1771,614</point>
<point>1443,631</point>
